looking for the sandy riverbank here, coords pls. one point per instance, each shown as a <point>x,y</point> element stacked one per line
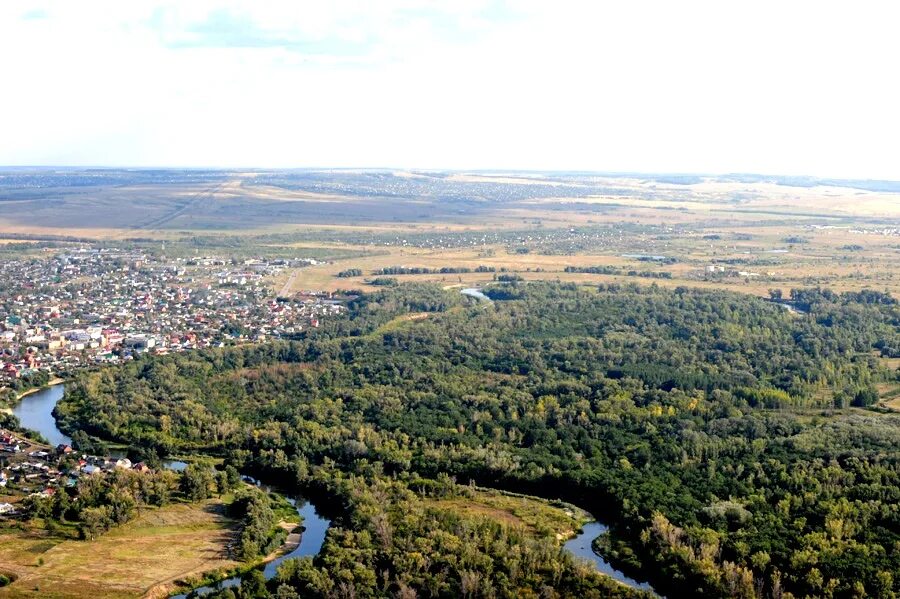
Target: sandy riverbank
<point>51,383</point>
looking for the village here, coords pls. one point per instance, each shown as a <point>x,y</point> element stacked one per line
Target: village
<point>85,306</point>
<point>29,468</point>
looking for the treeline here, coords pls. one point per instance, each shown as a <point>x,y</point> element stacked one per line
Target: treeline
<point>11,422</point>
<point>350,272</point>
<point>260,534</point>
<point>384,282</point>
<point>99,502</point>
<point>33,379</point>
<point>424,270</point>
<point>615,270</point>
<point>706,426</point>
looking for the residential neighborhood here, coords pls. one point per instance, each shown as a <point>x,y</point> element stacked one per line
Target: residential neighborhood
<point>29,468</point>
<point>87,305</point>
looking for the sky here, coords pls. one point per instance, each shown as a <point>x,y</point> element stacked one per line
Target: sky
<point>797,87</point>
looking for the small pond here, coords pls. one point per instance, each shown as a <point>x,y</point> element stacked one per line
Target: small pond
<point>476,293</point>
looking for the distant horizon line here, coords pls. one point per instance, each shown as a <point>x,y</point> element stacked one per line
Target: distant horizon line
<point>495,171</point>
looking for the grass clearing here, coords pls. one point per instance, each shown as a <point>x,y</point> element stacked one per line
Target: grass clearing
<point>889,394</point>
<point>398,323</point>
<point>148,553</point>
<point>893,403</point>
<point>538,516</point>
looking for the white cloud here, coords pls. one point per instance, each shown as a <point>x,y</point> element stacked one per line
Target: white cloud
<point>796,87</point>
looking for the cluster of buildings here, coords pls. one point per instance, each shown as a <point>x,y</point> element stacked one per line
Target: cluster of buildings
<point>556,241</point>
<point>87,305</point>
<point>32,469</point>
<point>883,231</point>
<point>715,269</point>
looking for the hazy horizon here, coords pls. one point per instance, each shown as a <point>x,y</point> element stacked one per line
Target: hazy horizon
<point>487,171</point>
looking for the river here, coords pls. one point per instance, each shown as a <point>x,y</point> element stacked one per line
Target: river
<point>35,411</point>
<point>581,547</point>
<point>314,529</point>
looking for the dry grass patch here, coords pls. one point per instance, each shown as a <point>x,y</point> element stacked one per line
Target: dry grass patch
<point>889,393</point>
<point>892,404</point>
<point>538,516</point>
<point>158,548</point>
<point>890,363</point>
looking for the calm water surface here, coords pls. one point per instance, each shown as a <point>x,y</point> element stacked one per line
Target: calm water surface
<point>477,294</point>
<point>580,546</point>
<point>35,411</point>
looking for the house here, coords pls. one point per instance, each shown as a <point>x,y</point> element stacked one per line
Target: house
<point>7,508</point>
<point>90,470</point>
<point>123,463</point>
<point>141,467</point>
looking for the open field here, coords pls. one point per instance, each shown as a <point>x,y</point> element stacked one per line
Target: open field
<point>742,232</point>
<point>157,548</point>
<point>835,258</point>
<point>539,516</point>
<point>113,203</point>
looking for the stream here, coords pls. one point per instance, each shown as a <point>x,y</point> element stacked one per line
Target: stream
<point>35,412</point>
<point>311,539</point>
<point>580,547</point>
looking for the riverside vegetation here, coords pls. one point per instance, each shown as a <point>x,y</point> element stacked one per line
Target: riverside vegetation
<point>729,443</point>
<point>101,502</point>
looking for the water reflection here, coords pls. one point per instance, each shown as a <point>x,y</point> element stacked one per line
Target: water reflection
<point>580,546</point>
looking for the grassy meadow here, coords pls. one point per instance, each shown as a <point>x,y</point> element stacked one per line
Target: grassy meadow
<point>144,556</point>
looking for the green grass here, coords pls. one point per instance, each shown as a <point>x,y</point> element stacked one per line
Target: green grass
<point>401,322</point>
<point>539,516</point>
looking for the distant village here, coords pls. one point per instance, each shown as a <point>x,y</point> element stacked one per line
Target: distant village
<point>87,306</point>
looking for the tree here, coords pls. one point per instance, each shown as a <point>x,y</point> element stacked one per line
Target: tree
<point>253,585</point>
<point>37,506</point>
<point>94,521</point>
<point>197,482</point>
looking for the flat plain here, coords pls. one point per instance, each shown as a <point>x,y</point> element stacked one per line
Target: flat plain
<point>741,232</point>
<point>147,554</point>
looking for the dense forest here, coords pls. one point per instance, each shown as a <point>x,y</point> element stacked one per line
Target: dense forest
<point>725,439</point>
